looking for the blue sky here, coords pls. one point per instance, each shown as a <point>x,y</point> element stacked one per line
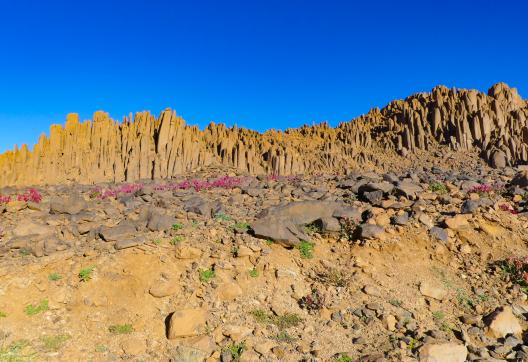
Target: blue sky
<point>259,64</point>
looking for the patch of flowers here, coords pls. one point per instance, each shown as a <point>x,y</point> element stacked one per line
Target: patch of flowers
<point>517,269</point>
<point>31,195</point>
<point>508,208</point>
<point>486,189</point>
<point>291,179</point>
<point>125,189</point>
<point>225,182</point>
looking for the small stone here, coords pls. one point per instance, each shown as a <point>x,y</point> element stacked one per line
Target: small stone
<point>432,291</point>
<point>457,222</point>
<point>445,352</point>
<point>439,233</point>
<point>187,323</point>
<point>389,322</point>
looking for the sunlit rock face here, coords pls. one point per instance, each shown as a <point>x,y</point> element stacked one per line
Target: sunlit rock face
<point>493,125</point>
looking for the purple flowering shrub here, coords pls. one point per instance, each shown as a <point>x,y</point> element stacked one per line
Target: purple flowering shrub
<point>508,208</point>
<point>225,182</point>
<point>125,189</point>
<point>487,189</point>
<point>517,270</point>
<point>32,195</point>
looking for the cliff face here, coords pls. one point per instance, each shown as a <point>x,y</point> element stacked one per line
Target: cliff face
<point>143,146</point>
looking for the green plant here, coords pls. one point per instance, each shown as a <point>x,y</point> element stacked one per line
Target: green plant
<point>54,343</point>
<point>446,327</point>
<point>86,273</point>
<point>25,252</point>
<point>312,228</point>
<point>282,322</point>
<point>31,309</point>
<point>284,336</point>
<point>348,229</point>
<point>253,273</point>
<point>177,239</point>
<point>396,302</point>
<point>269,241</point>
<point>306,249</point>
<point>177,226</point>
<point>3,314</point>
<point>234,251</point>
<point>438,315</point>
<point>516,268</point>
<point>337,278</point>
<point>121,329</point>
<point>54,277</point>
<point>223,217</point>
<point>206,275</point>
<point>101,348</point>
<point>312,302</point>
<point>235,350</point>
<point>344,358</point>
<point>413,343</point>
<point>438,187</point>
<point>241,227</point>
<point>463,299</point>
<point>16,352</point>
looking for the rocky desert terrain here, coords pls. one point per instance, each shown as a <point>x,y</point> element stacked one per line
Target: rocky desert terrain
<point>399,236</point>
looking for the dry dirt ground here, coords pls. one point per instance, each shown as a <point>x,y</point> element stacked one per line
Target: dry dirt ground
<point>383,297</point>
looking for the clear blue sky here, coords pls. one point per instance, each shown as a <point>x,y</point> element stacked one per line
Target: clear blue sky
<point>259,64</point>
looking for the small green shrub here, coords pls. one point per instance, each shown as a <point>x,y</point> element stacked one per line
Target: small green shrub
<point>54,277</point>
<point>396,302</point>
<point>121,329</point>
<point>253,273</point>
<point>348,229</point>
<point>101,348</point>
<point>54,343</point>
<point>85,274</point>
<point>306,249</point>
<point>235,350</point>
<point>16,352</point>
<point>157,241</point>
<point>285,337</point>
<point>25,252</point>
<point>3,314</point>
<point>438,187</point>
<point>177,239</point>
<point>282,322</point>
<point>313,228</point>
<point>31,309</point>
<point>241,227</point>
<point>206,275</point>
<point>438,315</point>
<point>177,226</point>
<point>344,358</point>
<point>223,217</point>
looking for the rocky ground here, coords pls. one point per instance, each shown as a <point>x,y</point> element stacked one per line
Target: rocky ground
<point>427,264</point>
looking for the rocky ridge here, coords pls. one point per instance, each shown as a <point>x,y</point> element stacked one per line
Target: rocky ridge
<point>492,126</point>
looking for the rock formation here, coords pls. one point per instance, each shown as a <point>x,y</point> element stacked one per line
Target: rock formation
<point>145,147</point>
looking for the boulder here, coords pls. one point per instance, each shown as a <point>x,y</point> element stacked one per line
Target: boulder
<point>520,179</point>
<point>502,322</point>
<point>284,224</point>
<point>67,205</point>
